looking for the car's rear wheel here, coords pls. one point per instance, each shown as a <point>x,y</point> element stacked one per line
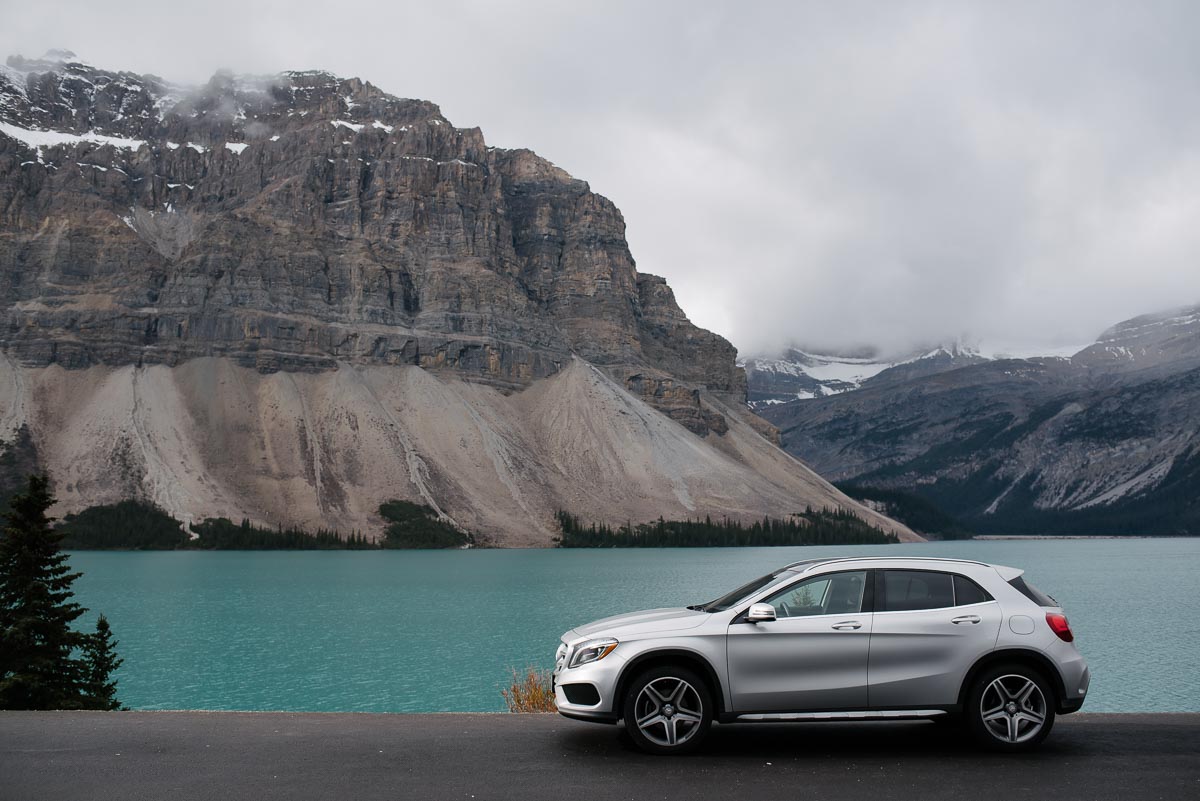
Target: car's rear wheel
<point>1011,708</point>
<point>667,710</point>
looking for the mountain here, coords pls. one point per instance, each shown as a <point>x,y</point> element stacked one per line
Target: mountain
<point>1104,442</point>
<point>1164,343</point>
<point>799,374</point>
<point>291,298</point>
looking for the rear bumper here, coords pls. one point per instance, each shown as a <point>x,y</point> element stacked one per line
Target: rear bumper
<point>1069,705</point>
<point>1076,692</point>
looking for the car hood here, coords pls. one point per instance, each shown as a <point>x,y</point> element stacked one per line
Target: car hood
<point>645,622</point>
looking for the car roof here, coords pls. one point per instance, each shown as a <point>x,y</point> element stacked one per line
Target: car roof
<point>806,565</point>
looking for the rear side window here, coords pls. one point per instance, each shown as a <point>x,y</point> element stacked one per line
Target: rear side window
<point>968,592</point>
<point>910,590</point>
<point>1031,592</point>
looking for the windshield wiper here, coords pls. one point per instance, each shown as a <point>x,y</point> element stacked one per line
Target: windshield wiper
<point>697,608</point>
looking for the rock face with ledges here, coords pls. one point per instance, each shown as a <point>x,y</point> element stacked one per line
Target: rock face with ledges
<point>302,220</point>
<point>313,231</point>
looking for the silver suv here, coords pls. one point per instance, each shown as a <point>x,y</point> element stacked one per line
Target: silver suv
<point>834,639</point>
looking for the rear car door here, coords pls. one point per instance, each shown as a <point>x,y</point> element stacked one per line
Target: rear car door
<point>813,656</point>
<point>929,628</point>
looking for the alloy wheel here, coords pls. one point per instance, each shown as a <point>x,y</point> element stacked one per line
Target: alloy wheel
<point>668,711</point>
<point>1013,708</point>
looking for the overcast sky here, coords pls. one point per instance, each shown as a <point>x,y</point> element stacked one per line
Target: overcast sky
<point>831,174</point>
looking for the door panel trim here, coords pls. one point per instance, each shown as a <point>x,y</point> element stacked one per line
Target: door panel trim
<point>935,609</point>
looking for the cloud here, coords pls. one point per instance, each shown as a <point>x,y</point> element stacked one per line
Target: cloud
<point>829,174</point>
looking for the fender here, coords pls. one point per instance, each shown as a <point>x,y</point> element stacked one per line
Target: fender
<point>671,656</point>
<point>1026,656</point>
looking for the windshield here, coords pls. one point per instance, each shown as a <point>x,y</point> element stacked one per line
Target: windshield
<point>745,591</point>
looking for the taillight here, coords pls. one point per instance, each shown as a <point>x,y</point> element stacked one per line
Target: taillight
<point>1060,626</point>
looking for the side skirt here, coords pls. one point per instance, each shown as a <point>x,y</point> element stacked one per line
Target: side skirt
<point>866,714</point>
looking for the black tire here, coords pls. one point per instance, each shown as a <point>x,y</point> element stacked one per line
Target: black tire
<point>665,698</point>
<point>1016,696</point>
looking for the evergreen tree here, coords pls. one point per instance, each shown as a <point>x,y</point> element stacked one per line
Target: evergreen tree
<point>37,669</point>
<point>100,661</point>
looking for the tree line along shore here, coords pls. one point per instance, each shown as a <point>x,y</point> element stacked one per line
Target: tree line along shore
<point>137,525</point>
<point>141,526</point>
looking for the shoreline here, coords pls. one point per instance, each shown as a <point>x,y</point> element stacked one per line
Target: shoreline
<point>977,538</point>
<point>997,537</point>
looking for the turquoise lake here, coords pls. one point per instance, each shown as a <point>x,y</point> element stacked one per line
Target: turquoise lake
<point>430,631</point>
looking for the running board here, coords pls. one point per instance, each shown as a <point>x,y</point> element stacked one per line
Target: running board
<point>884,714</point>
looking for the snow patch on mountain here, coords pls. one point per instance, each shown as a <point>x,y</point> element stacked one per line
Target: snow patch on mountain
<point>801,374</point>
<point>43,139</point>
<point>825,368</point>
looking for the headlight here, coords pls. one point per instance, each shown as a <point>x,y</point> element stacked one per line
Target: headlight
<point>592,651</point>
<point>560,657</point>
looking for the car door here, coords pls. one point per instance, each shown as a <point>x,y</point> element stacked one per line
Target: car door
<point>813,656</point>
<point>929,628</point>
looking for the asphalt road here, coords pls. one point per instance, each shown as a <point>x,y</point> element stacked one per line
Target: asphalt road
<point>231,756</point>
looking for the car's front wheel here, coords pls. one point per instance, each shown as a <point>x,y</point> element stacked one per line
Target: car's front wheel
<point>1011,708</point>
<point>667,710</point>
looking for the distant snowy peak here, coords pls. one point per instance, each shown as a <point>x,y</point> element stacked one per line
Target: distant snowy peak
<point>800,374</point>
<point>1166,340</point>
<point>1164,343</point>
<point>1154,327</point>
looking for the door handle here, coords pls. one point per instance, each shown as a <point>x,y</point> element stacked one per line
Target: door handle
<point>965,619</point>
<point>847,625</point>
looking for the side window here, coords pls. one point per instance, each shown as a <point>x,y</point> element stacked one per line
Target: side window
<point>968,592</point>
<point>1031,592</point>
<point>910,590</point>
<point>831,594</point>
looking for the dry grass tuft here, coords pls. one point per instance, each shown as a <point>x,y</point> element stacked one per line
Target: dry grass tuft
<point>529,691</point>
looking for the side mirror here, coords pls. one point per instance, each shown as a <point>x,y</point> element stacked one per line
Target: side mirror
<point>761,613</point>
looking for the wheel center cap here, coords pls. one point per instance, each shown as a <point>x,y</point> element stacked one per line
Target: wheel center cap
<point>668,710</point>
<point>1011,708</point>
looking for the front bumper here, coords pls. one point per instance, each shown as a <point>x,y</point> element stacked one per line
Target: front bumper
<point>600,683</point>
<point>589,717</point>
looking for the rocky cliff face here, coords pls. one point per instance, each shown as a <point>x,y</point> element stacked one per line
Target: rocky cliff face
<point>304,220</point>
<point>1103,442</point>
<point>308,225</point>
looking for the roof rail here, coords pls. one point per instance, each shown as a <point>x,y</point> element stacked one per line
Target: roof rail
<point>809,564</point>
